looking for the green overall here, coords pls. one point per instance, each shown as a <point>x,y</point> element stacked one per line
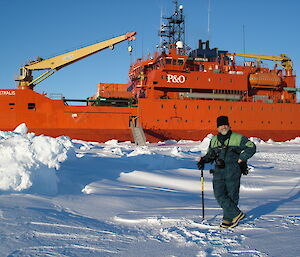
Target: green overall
<point>226,181</point>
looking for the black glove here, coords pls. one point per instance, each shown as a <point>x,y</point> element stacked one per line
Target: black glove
<point>201,163</point>
<point>244,168</point>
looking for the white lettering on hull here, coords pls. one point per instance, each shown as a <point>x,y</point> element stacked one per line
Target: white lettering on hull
<point>7,92</point>
<point>175,78</point>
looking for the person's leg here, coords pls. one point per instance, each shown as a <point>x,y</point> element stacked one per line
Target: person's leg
<point>227,194</point>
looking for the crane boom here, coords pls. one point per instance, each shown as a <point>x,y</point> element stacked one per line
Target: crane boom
<point>56,63</point>
<point>286,62</point>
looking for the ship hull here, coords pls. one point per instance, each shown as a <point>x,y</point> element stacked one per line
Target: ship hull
<point>161,119</point>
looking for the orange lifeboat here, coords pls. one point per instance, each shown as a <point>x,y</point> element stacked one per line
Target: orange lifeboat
<point>265,79</point>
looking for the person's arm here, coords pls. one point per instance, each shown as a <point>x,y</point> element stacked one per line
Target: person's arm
<point>248,149</point>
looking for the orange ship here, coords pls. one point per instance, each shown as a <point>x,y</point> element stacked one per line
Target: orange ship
<point>176,94</point>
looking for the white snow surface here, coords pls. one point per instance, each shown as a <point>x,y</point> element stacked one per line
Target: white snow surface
<point>63,197</point>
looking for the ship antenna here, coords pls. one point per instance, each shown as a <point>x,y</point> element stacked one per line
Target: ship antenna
<point>208,20</point>
<point>244,41</point>
<point>161,25</point>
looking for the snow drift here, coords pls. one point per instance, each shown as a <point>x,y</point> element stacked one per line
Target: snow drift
<point>30,162</point>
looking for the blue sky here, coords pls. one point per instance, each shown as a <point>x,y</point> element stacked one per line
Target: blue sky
<point>46,28</point>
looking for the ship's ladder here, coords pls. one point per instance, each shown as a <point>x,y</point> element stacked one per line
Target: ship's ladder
<point>137,131</point>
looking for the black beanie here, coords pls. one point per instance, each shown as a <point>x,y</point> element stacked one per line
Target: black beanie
<point>222,120</point>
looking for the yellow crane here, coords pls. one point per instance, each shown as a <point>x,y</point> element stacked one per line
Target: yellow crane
<point>282,60</point>
<point>56,63</point>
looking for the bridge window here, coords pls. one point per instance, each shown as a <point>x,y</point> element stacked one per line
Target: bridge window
<point>180,62</point>
<point>168,61</point>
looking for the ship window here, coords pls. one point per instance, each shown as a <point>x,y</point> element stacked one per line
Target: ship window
<point>262,108</point>
<point>186,107</point>
<point>168,61</point>
<point>157,120</point>
<point>197,106</point>
<point>162,106</point>
<point>197,78</point>
<point>208,107</point>
<point>209,79</point>
<point>230,107</point>
<point>162,77</point>
<point>220,79</point>
<point>174,62</point>
<point>241,108</point>
<point>11,105</point>
<point>186,121</point>
<point>155,82</point>
<point>31,106</point>
<point>180,62</point>
<point>220,107</point>
<point>208,121</point>
<point>230,80</point>
<point>174,106</point>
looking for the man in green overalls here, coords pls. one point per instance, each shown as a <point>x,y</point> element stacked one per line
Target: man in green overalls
<point>229,152</point>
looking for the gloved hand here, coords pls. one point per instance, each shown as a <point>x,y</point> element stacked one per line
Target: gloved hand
<point>244,168</point>
<point>201,163</point>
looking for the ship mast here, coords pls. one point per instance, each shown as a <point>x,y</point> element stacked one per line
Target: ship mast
<point>172,34</point>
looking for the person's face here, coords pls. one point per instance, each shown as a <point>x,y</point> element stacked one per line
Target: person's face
<point>223,129</point>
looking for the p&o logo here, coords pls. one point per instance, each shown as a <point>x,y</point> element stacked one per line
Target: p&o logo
<point>175,78</point>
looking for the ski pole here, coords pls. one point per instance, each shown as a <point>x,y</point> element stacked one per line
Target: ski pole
<point>202,189</point>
